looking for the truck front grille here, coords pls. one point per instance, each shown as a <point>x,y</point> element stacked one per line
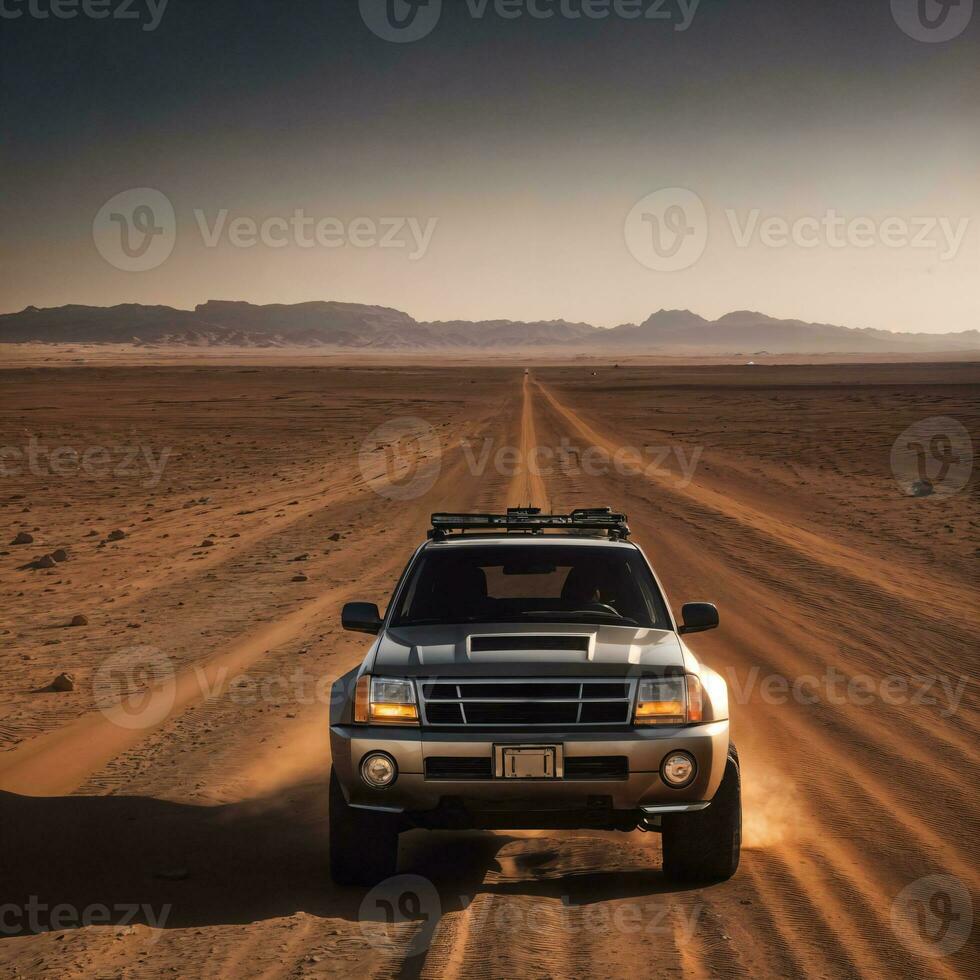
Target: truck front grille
<point>458,767</point>
<point>464,768</point>
<point>519,702</point>
<point>596,767</point>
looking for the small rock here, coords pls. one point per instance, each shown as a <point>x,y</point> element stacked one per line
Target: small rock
<point>334,537</point>
<point>63,682</point>
<point>207,543</point>
<point>79,621</point>
<point>301,578</point>
<point>303,557</point>
<point>45,561</point>
<point>60,555</point>
<point>116,535</point>
<point>23,538</point>
<point>92,534</point>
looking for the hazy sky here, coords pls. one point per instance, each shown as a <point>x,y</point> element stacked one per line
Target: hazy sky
<point>518,146</point>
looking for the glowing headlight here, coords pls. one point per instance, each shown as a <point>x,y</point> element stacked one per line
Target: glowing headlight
<point>669,701</point>
<point>385,701</point>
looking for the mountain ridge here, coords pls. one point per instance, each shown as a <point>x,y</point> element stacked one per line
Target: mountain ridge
<point>361,326</point>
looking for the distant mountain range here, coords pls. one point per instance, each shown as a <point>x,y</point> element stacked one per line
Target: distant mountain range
<point>354,326</point>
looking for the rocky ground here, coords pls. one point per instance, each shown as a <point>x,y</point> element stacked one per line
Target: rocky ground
<point>178,541</point>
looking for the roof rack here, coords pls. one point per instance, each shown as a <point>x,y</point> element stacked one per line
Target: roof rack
<point>530,520</point>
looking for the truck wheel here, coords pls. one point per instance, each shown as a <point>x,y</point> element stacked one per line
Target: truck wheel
<point>704,846</point>
<point>363,845</point>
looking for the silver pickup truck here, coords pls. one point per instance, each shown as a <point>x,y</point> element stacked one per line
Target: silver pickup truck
<point>528,674</point>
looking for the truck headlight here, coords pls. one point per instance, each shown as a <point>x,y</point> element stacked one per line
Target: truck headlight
<point>669,701</point>
<point>385,701</point>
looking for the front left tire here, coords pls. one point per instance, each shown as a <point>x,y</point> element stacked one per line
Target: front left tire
<point>363,844</point>
<point>705,846</point>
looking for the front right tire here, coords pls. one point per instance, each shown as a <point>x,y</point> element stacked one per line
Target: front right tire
<point>705,846</point>
<point>363,844</point>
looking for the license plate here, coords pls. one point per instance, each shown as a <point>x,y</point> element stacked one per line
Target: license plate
<point>529,761</point>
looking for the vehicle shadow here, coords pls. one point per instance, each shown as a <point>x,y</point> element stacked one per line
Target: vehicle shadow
<point>138,860</point>
<point>175,865</point>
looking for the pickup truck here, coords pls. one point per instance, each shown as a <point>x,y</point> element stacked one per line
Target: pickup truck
<point>529,674</point>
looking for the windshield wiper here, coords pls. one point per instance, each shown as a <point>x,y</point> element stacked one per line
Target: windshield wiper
<point>580,614</point>
<point>439,621</point>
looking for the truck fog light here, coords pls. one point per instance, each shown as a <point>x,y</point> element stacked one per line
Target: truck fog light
<point>378,770</point>
<point>678,769</point>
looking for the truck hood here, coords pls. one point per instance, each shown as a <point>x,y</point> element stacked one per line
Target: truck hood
<point>512,648</point>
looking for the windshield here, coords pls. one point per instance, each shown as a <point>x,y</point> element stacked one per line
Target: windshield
<point>559,583</point>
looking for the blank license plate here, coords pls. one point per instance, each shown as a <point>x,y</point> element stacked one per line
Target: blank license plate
<point>529,761</point>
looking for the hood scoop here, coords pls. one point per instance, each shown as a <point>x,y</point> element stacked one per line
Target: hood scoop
<point>513,642</point>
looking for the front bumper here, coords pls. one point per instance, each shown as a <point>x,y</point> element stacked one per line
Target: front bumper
<point>414,794</point>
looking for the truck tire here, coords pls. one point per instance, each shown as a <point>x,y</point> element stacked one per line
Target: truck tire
<point>704,846</point>
<point>363,844</point>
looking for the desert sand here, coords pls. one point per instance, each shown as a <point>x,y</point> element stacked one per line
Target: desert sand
<point>202,830</point>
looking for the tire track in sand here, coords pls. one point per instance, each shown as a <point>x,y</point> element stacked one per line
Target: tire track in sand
<point>527,488</point>
<point>59,762</point>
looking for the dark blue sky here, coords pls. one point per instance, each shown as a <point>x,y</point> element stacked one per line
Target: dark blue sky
<point>528,140</point>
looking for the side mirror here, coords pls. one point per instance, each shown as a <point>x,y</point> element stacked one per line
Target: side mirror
<point>361,617</point>
<point>698,617</point>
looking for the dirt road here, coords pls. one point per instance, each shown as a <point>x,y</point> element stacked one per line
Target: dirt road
<point>849,638</point>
